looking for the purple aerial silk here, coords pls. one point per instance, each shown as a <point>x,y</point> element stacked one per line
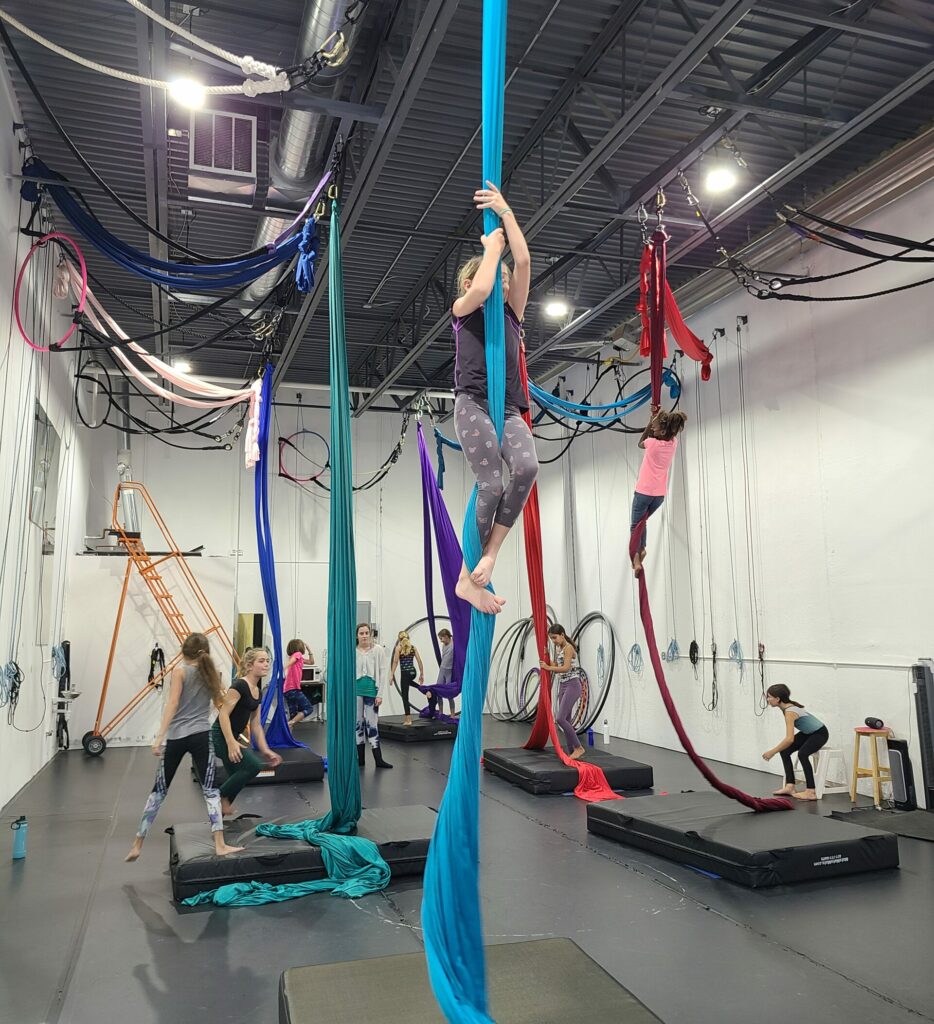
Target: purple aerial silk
<point>450,559</point>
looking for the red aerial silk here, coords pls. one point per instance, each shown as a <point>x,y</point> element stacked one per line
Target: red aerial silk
<point>592,784</point>
<point>656,315</point>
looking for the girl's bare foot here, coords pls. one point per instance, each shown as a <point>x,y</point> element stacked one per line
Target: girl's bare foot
<point>407,720</point>
<point>483,600</point>
<point>805,794</point>
<point>222,849</point>
<point>226,806</point>
<point>637,565</point>
<point>483,570</point>
<point>576,754</point>
<point>135,850</point>
<point>788,790</point>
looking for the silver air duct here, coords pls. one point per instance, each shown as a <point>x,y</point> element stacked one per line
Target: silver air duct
<point>297,160</point>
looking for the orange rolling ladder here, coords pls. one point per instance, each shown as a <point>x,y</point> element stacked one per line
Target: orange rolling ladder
<point>95,742</point>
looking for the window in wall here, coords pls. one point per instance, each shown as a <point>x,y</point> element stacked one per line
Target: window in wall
<point>45,460</point>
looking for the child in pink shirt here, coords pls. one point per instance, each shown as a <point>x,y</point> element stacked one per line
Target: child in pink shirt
<point>300,707</point>
<point>660,441</point>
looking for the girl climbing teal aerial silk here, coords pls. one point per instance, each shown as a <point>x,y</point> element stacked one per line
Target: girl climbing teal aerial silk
<point>451,905</point>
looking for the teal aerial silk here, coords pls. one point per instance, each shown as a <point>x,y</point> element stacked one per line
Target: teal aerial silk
<point>451,920</point>
<point>354,865</point>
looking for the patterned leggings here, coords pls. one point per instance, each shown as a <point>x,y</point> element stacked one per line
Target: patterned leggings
<point>202,754</point>
<point>496,502</point>
<point>367,722</point>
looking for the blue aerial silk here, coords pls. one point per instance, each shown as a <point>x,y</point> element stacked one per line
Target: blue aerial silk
<point>274,717</point>
<point>354,865</point>
<point>451,921</point>
<point>169,274</point>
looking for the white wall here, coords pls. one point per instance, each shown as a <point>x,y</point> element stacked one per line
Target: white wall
<point>838,437</point>
<point>32,585</point>
<point>207,499</point>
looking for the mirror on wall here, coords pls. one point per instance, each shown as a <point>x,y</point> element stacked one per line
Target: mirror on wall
<point>45,462</point>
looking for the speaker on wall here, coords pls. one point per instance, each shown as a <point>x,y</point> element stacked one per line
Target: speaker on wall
<point>903,780</point>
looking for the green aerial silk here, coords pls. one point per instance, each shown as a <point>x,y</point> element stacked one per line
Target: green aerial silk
<point>354,865</point>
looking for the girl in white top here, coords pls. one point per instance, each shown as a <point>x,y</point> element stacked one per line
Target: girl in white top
<point>372,680</point>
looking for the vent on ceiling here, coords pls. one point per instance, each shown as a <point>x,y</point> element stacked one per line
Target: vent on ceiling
<point>223,142</point>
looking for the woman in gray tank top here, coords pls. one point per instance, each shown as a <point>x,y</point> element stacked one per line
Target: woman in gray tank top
<point>185,729</point>
<point>568,677</point>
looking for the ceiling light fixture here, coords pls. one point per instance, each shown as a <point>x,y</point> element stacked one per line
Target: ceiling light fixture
<point>720,177</point>
<point>187,92</point>
<point>556,308</point>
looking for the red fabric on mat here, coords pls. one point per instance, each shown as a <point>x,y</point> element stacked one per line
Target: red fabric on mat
<point>592,784</point>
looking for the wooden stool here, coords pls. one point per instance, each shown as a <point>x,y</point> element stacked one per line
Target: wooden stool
<point>877,772</point>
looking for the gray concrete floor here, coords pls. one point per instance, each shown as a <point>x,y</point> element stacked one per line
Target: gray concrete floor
<point>86,938</point>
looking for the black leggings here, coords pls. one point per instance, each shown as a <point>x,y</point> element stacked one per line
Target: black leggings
<point>805,743</point>
<point>407,678</point>
<point>202,754</point>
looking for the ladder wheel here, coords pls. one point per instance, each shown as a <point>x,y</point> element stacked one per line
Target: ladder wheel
<point>93,744</point>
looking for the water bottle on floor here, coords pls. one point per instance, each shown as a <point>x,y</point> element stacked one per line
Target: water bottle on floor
<point>606,731</point>
<point>590,737</point>
<point>20,829</point>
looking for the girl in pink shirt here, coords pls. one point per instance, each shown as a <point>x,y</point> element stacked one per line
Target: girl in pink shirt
<point>660,441</point>
<point>300,707</point>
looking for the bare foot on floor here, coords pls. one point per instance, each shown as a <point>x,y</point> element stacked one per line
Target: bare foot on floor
<point>805,794</point>
<point>224,849</point>
<point>788,790</point>
<point>135,850</point>
<point>575,755</point>
<point>483,600</point>
<point>483,571</point>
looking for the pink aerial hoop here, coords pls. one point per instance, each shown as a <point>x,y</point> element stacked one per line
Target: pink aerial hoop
<point>81,299</point>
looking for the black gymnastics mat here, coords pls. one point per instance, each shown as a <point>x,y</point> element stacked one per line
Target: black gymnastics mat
<point>421,729</point>
<point>299,764</point>
<point>402,834</point>
<point>545,981</point>
<point>540,771</point>
<point>714,833</point>
<point>911,824</point>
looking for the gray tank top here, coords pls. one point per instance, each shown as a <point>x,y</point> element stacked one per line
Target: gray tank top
<point>194,706</point>
<point>572,673</point>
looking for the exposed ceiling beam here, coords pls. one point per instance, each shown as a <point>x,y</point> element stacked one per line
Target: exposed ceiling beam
<point>778,180</point>
<point>425,42</point>
<point>806,15</point>
<point>726,17</point>
<point>771,110</point>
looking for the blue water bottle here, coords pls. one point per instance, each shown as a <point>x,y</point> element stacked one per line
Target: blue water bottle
<point>590,737</point>
<point>20,828</point>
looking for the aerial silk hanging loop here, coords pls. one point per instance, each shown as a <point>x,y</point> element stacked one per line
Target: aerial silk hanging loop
<point>453,930</point>
<point>658,308</point>
<point>82,294</point>
<point>450,558</point>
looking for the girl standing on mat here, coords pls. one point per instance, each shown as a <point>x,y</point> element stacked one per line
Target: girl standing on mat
<point>498,505</point>
<point>242,707</point>
<point>404,658</point>
<point>660,441</point>
<point>186,729</point>
<point>811,735</point>
<point>300,707</point>
<point>567,676</point>
<point>372,676</point>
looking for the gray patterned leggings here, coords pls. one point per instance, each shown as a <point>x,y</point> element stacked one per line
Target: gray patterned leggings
<point>496,502</point>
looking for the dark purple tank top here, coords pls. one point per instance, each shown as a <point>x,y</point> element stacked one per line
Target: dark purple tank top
<point>470,361</point>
